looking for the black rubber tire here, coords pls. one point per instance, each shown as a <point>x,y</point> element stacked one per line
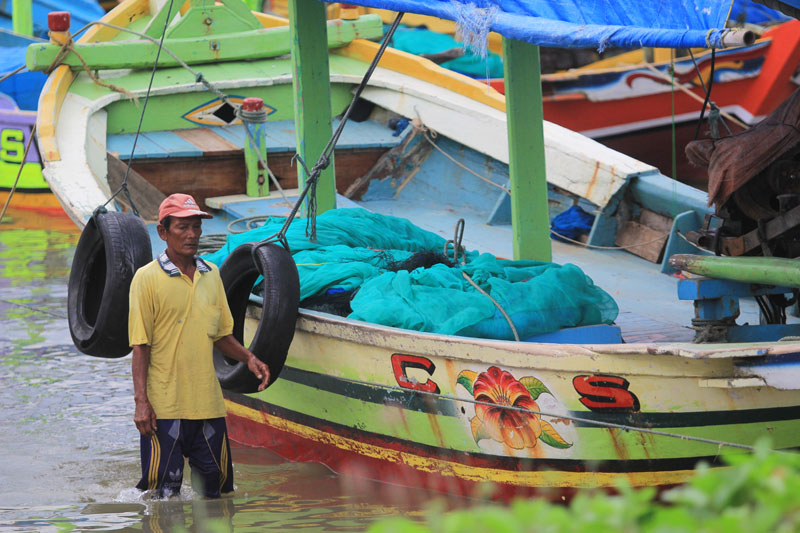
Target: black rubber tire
<point>112,246</point>
<point>275,330</point>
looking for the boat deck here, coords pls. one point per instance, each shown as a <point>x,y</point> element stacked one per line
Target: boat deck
<point>649,309</point>
<point>640,329</point>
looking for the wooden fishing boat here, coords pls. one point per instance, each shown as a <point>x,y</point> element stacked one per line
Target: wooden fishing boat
<point>588,406</point>
<point>19,95</point>
<point>627,103</point>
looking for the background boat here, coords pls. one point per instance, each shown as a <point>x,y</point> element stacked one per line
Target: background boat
<point>19,96</point>
<point>629,106</point>
<point>429,145</point>
<point>624,98</point>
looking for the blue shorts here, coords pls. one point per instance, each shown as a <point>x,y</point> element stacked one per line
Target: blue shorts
<point>204,442</point>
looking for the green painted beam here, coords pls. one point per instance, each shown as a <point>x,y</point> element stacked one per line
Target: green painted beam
<point>253,5</point>
<point>254,44</point>
<point>22,17</point>
<point>761,270</point>
<point>529,209</point>
<point>211,20</point>
<point>312,94</point>
<point>257,183</point>
<point>156,26</point>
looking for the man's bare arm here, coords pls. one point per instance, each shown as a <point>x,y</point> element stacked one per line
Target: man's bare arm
<point>144,417</point>
<point>233,349</point>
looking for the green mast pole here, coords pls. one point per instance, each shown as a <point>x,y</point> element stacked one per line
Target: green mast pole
<point>22,22</point>
<point>312,93</point>
<point>530,220</point>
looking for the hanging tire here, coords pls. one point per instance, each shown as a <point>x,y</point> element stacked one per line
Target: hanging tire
<point>112,246</point>
<point>276,326</point>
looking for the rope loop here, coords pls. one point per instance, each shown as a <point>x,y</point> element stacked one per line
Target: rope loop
<point>458,250</point>
<point>67,48</point>
<point>323,163</point>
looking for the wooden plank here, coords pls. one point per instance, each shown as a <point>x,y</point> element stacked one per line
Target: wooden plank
<point>222,176</point>
<point>312,90</point>
<point>209,142</point>
<point>174,145</point>
<point>254,44</point>
<point>234,134</point>
<point>145,196</point>
<point>145,148</point>
<point>655,221</point>
<point>530,219</point>
<point>225,175</point>
<point>641,240</point>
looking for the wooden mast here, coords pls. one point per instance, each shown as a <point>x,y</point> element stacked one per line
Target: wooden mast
<point>530,220</point>
<point>312,94</point>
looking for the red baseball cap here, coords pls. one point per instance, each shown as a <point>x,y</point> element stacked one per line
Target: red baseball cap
<point>181,206</point>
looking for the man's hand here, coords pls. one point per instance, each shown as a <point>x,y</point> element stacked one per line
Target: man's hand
<point>260,370</point>
<point>233,349</point>
<point>145,418</point>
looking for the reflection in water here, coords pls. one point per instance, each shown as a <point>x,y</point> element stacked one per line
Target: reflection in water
<point>70,449</point>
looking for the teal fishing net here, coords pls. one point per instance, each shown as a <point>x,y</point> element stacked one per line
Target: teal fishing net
<point>361,255</point>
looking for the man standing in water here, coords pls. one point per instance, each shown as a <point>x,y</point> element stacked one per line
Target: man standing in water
<point>178,313</point>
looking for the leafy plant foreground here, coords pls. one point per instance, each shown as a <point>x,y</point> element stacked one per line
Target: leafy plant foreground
<point>758,492</point>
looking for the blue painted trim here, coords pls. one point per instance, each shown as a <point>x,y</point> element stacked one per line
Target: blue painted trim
<point>233,134</point>
<point>145,148</point>
<point>280,139</point>
<point>666,196</point>
<point>708,288</point>
<point>172,144</point>
<point>683,223</point>
<point>763,333</point>
<point>598,334</point>
<point>501,214</point>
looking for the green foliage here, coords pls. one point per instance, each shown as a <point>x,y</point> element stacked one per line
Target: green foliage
<point>754,493</point>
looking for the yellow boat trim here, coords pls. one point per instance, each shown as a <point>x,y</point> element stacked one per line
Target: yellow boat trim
<point>411,65</point>
<point>441,467</point>
<point>57,85</point>
<point>425,70</point>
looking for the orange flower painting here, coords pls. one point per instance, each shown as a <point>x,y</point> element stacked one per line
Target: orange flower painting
<point>519,427</point>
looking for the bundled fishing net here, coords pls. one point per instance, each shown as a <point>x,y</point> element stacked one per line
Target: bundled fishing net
<point>385,270</point>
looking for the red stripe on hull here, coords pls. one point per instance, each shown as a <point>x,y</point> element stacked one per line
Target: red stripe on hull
<point>297,448</point>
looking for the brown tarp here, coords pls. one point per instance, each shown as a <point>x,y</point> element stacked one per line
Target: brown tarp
<point>735,160</point>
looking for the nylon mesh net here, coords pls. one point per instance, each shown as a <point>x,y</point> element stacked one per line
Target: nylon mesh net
<point>358,252</point>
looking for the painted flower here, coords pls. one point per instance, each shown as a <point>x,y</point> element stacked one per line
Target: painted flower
<point>518,428</point>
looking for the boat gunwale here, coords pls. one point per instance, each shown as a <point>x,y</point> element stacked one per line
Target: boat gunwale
<point>355,330</point>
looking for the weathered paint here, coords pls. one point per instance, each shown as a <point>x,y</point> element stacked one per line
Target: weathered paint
<point>762,270</point>
<point>58,83</point>
<point>252,44</point>
<point>311,82</point>
<point>255,151</point>
<point>391,462</point>
<point>530,219</point>
<point>400,435</point>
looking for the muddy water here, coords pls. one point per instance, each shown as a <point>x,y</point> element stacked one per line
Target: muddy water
<point>69,447</point>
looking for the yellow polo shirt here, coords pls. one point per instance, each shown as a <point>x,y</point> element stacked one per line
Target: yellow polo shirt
<point>180,319</point>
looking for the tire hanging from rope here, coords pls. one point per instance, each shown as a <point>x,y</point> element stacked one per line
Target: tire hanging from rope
<point>112,247</point>
<point>281,285</point>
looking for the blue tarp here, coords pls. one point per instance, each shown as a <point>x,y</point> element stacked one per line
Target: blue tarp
<point>584,24</point>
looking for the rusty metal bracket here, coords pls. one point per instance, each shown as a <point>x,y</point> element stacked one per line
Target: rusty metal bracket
<point>771,229</point>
